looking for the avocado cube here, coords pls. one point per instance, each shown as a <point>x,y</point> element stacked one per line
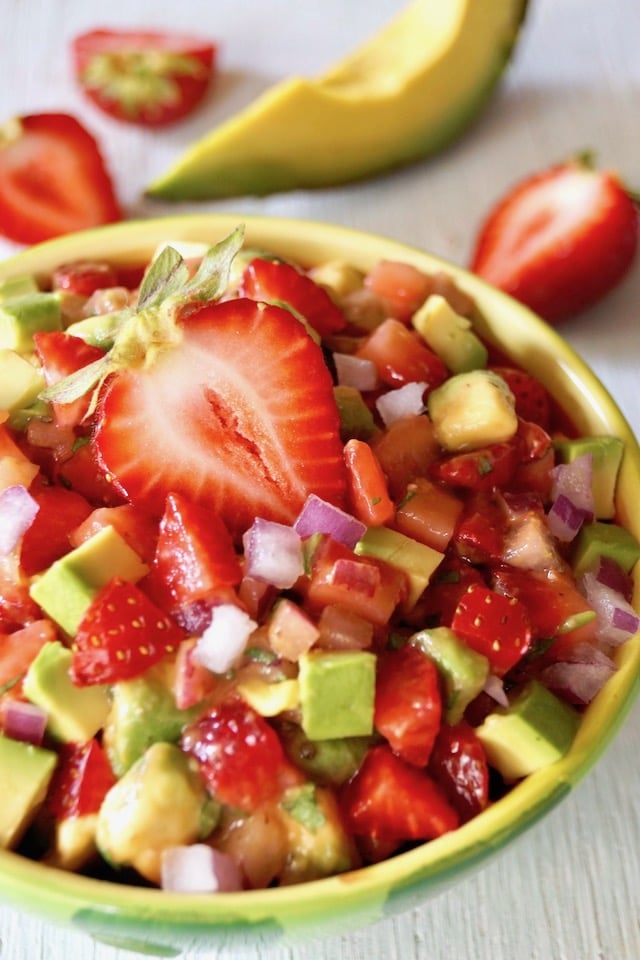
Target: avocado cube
<point>471,410</point>
<point>270,699</point>
<point>75,713</point>
<point>534,731</point>
<point>14,287</point>
<point>337,691</point>
<point>20,382</point>
<point>26,772</point>
<point>449,335</point>
<point>418,560</point>
<point>66,589</point>
<point>21,317</point>
<point>601,539</point>
<point>606,455</point>
<point>463,670</point>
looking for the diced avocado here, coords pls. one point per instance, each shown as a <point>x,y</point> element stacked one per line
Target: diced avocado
<point>143,711</point>
<point>20,382</point>
<point>18,286</point>
<point>337,690</point>
<point>535,730</point>
<point>74,842</point>
<point>270,699</point>
<point>26,772</point>
<point>99,330</point>
<point>356,419</point>
<point>418,560</point>
<point>328,762</point>
<point>397,98</point>
<point>160,802</point>
<point>66,589</point>
<point>75,714</point>
<point>464,671</point>
<point>471,410</point>
<point>21,317</point>
<point>338,277</point>
<point>601,539</point>
<point>449,335</point>
<point>606,455</point>
<point>317,842</point>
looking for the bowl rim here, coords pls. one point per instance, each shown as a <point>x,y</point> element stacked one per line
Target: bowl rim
<point>442,860</point>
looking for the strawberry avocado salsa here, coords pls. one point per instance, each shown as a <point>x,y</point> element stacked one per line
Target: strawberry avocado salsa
<point>294,572</point>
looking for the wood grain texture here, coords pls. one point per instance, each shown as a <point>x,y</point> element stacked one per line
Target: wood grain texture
<point>570,888</point>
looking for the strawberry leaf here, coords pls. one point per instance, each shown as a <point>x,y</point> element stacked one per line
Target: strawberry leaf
<point>166,276</point>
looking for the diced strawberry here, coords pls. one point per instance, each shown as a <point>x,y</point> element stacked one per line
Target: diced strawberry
<point>60,355</point>
<point>478,470</point>
<point>479,537</point>
<point>205,421</point>
<point>532,400</point>
<point>47,539</point>
<point>195,555</point>
<point>52,179</point>
<point>405,451</point>
<point>495,625</point>
<point>459,764</point>
<point>401,357</point>
<point>139,530</point>
<point>408,705</point>
<point>401,286</point>
<point>80,781</point>
<point>19,648</point>
<point>560,239</point>
<point>389,799</point>
<point>121,635</point>
<point>275,281</point>
<point>450,581</point>
<point>148,77</point>
<point>84,277</point>
<point>81,472</point>
<point>239,754</point>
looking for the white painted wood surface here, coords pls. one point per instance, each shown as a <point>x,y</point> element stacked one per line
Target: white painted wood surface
<point>570,888</point>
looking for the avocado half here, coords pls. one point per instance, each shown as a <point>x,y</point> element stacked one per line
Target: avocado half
<point>407,93</point>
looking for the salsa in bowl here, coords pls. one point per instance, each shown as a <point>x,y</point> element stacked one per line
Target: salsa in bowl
<point>318,581</point>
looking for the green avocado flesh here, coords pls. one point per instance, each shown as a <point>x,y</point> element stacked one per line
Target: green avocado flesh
<point>407,93</point>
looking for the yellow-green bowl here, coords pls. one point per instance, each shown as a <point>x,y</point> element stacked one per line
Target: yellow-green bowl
<point>165,924</point>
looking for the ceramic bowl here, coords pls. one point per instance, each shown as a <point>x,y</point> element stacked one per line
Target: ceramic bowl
<point>157,923</point>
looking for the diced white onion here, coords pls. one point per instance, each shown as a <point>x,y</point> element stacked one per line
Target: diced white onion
<point>494,687</point>
<point>355,372</point>
<point>273,553</point>
<point>225,639</point>
<point>582,677</point>
<point>617,620</point>
<point>319,516</point>
<point>406,401</point>
<point>199,868</point>
<point>17,512</point>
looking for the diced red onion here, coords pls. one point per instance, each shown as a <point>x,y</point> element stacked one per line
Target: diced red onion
<point>617,620</point>
<point>355,372</point>
<point>17,512</point>
<point>199,868</point>
<point>319,516</point>
<point>225,639</point>
<point>572,496</point>
<point>494,687</point>
<point>273,553</point>
<point>24,721</point>
<point>582,677</point>
<point>363,578</point>
<point>611,574</point>
<point>406,401</point>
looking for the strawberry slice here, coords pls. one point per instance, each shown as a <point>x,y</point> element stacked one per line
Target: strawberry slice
<point>53,179</point>
<point>277,282</point>
<point>239,416</point>
<point>150,77</point>
<point>559,240</point>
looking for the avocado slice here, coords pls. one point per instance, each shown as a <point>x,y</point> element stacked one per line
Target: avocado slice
<point>450,335</point>
<point>602,539</point>
<point>472,409</point>
<point>606,453</point>
<point>407,93</point>
<point>29,313</point>
<point>326,762</point>
<point>464,671</point>
<point>337,692</point>
<point>20,382</point>
<point>534,731</point>
<point>26,772</point>
<point>318,844</point>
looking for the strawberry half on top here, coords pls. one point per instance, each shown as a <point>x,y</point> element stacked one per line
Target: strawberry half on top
<point>560,239</point>
<point>228,403</point>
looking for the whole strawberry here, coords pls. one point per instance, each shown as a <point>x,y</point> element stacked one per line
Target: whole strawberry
<point>560,239</point>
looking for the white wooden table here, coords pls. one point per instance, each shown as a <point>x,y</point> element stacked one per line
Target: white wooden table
<point>570,888</point>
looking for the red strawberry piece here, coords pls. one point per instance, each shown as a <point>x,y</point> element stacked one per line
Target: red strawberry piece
<point>408,705</point>
<point>239,417</point>
<point>459,764</point>
<point>60,355</point>
<point>275,281</point>
<point>80,781</point>
<point>494,625</point>
<point>239,754</point>
<point>84,277</point>
<point>121,635</point>
<point>47,539</point>
<point>478,470</point>
<point>53,179</point>
<point>559,240</point>
<point>532,400</point>
<point>148,77</point>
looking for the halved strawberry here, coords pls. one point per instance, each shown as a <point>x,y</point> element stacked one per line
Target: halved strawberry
<point>239,416</point>
<point>275,281</point>
<point>560,239</point>
<point>53,179</point>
